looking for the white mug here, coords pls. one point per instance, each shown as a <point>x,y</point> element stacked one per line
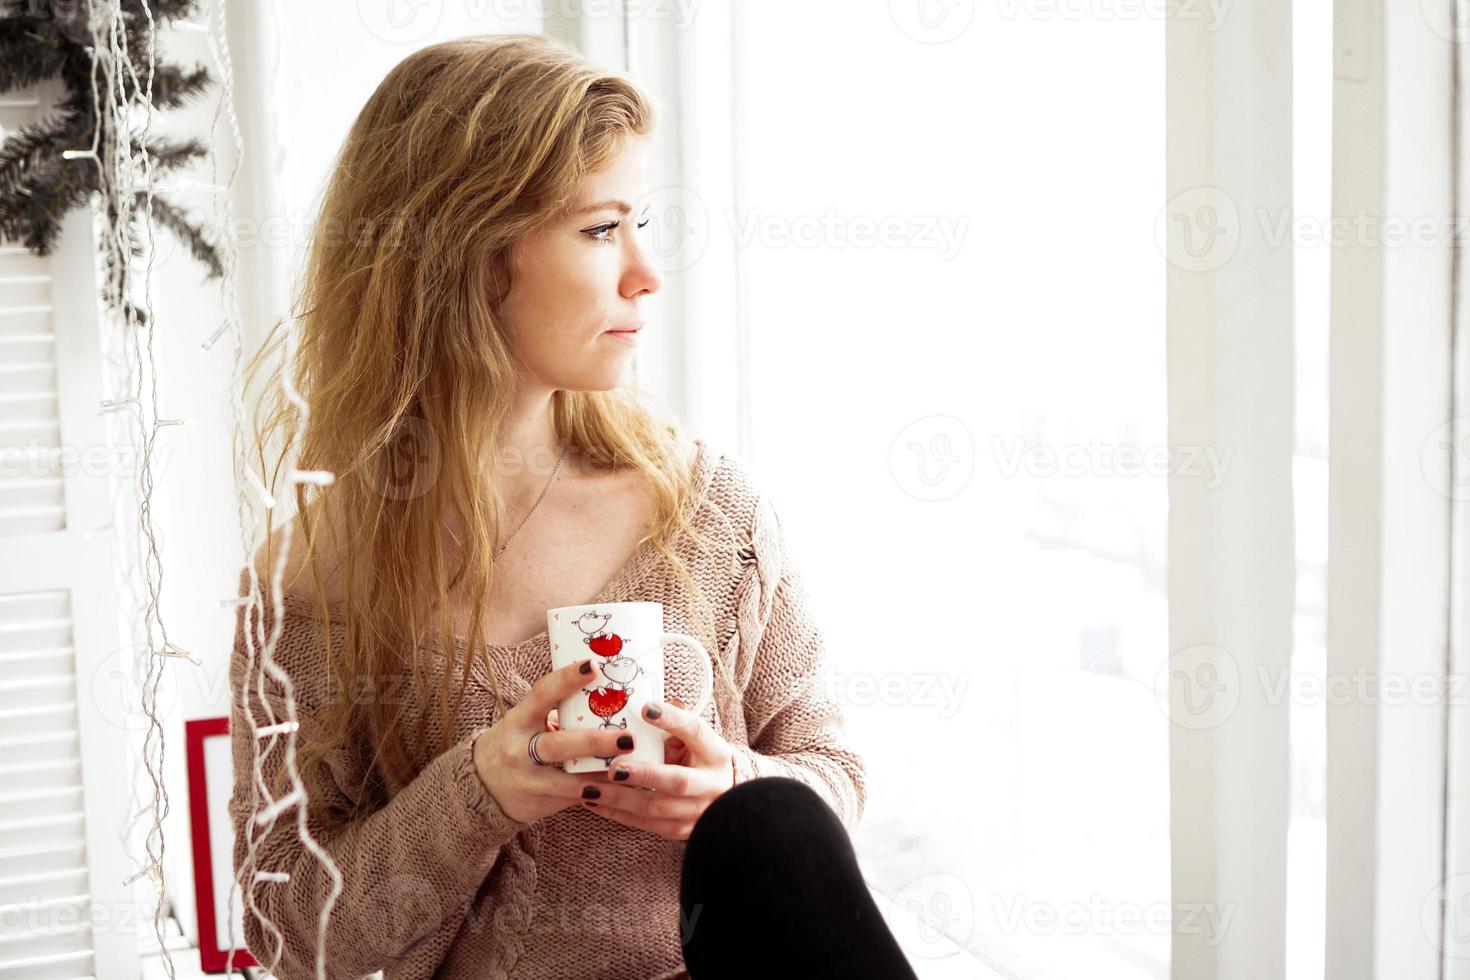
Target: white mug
<point>626,642</point>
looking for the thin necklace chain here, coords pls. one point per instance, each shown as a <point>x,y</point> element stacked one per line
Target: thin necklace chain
<point>544,491</point>
<point>494,557</point>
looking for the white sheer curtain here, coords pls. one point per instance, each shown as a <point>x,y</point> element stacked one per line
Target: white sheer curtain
<point>1389,567</point>
<point>816,360</point>
<point>1231,546</point>
<point>929,266</point>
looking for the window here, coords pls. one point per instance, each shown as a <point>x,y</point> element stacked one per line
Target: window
<point>956,326</point>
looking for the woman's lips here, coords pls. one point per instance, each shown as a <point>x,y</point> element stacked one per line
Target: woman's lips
<point>626,336</point>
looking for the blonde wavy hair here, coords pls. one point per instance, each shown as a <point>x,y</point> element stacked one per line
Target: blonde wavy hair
<point>464,148</point>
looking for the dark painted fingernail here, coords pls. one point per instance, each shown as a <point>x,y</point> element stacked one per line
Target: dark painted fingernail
<point>622,773</point>
<point>653,711</point>
<point>625,741</point>
<point>586,667</point>
<point>590,792</point>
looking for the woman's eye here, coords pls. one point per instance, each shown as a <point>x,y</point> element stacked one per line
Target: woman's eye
<point>602,231</point>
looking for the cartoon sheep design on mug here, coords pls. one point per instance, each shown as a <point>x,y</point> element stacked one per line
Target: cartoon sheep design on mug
<point>609,699</point>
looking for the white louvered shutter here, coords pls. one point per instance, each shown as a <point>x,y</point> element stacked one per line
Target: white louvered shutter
<point>64,797</point>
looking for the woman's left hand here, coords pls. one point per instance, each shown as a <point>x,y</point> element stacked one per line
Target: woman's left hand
<point>667,799</point>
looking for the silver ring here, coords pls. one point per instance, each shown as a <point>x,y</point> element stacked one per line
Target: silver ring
<point>531,750</point>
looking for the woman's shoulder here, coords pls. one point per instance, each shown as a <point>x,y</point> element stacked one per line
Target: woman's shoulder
<point>737,481</point>
<point>288,550</point>
<point>742,499</point>
<point>726,476</point>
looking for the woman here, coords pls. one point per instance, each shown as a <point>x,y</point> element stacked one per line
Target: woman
<point>472,298</point>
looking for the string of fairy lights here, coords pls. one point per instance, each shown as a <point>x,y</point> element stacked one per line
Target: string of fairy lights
<point>134,423</point>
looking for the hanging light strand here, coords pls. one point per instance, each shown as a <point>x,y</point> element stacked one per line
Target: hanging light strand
<point>132,419</point>
<point>253,500</point>
<point>131,375</point>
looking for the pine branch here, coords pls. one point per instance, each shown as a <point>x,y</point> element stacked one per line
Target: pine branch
<point>162,11</point>
<point>136,315</point>
<point>26,62</point>
<point>171,156</point>
<point>37,225</point>
<point>168,216</point>
<point>173,89</point>
<point>26,148</point>
<point>170,10</point>
<point>45,39</point>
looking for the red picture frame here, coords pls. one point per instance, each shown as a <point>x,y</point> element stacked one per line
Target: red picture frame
<point>211,956</point>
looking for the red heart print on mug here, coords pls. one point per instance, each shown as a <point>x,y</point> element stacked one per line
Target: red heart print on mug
<point>606,645</point>
<point>606,702</point>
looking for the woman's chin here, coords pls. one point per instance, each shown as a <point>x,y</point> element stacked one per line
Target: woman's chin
<point>614,377</point>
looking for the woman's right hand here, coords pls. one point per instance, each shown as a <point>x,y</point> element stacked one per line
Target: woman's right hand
<point>524,790</point>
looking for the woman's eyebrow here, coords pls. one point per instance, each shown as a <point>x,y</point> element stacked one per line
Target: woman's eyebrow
<point>621,206</point>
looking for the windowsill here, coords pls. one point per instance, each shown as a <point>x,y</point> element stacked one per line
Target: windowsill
<point>933,958</point>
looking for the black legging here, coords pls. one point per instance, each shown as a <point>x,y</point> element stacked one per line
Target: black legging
<point>771,887</point>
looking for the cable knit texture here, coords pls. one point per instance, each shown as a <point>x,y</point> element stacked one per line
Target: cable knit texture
<point>441,883</point>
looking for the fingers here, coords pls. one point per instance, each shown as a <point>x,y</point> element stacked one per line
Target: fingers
<point>703,744</point>
<point>555,747</point>
<point>674,749</point>
<point>561,745</point>
<point>681,790</point>
<point>550,688</point>
<point>551,782</point>
<point>676,829</point>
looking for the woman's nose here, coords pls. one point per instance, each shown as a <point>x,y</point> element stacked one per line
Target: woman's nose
<point>640,274</point>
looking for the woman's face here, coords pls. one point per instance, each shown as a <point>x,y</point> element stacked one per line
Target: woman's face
<point>583,276</point>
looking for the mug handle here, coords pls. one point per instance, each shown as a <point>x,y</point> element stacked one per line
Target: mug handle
<point>704,664</point>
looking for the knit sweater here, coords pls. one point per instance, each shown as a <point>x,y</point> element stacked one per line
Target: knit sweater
<point>439,881</point>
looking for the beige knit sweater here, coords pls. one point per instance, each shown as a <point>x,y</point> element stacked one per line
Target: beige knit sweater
<point>440,882</point>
